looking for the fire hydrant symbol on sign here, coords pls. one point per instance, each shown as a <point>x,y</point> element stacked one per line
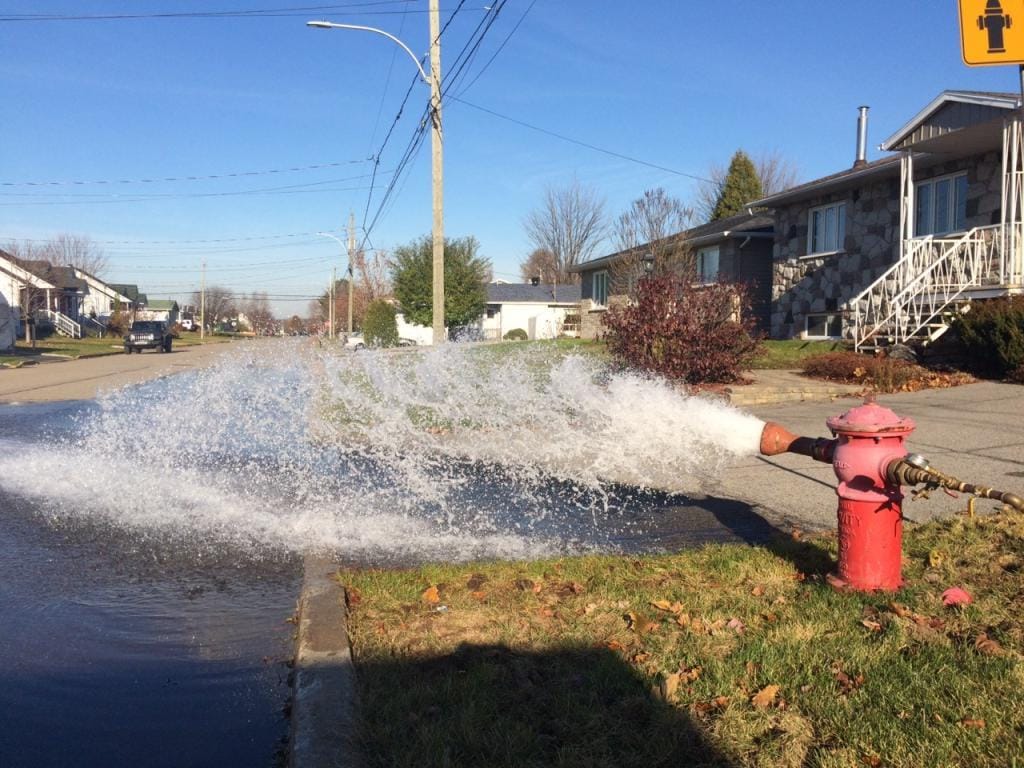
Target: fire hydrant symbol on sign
<point>995,21</point>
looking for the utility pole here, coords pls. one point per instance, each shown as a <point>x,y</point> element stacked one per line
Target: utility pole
<point>436,146</point>
<point>202,304</point>
<point>330,293</point>
<point>351,256</point>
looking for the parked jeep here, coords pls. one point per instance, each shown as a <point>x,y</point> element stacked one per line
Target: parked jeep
<point>147,334</point>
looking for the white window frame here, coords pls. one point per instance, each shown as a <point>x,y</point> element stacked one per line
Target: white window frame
<point>704,275</point>
<point>840,235</point>
<point>832,316</point>
<point>599,288</point>
<point>951,205</point>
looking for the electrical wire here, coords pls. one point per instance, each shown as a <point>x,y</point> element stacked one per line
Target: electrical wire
<point>571,140</point>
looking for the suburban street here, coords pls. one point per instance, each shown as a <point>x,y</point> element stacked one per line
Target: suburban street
<point>84,379</point>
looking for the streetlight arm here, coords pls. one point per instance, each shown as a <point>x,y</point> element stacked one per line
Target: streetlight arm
<point>336,25</point>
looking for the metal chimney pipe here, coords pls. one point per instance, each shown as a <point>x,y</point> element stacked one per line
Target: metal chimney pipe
<point>862,137</point>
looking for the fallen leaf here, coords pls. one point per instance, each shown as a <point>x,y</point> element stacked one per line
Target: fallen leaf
<point>431,595</point>
<point>757,591</point>
<point>737,626</point>
<point>662,605</point>
<point>900,610</point>
<point>797,534</point>
<point>765,697</point>
<point>641,657</point>
<point>478,595</point>
<point>524,585</point>
<point>935,558</point>
<point>640,623</point>
<point>475,582</point>
<point>719,702</point>
<point>683,620</point>
<point>752,668</point>
<point>987,645</point>
<point>874,626</point>
<point>956,596</point>
<point>968,722</point>
<point>615,645</point>
<point>669,685</point>
<point>537,587</point>
<point>353,596</point>
<point>689,675</point>
<point>589,608</point>
<point>872,761</point>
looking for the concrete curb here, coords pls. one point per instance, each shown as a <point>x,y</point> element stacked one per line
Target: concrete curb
<point>323,691</point>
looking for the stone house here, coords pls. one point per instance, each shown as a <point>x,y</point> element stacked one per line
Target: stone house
<point>737,249</point>
<point>889,251</point>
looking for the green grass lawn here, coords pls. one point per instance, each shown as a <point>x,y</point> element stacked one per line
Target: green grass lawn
<point>87,347</point>
<point>727,655</point>
<point>789,353</point>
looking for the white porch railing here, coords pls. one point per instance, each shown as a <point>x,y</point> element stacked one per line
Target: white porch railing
<point>912,297</point>
<point>64,324</point>
<point>92,326</point>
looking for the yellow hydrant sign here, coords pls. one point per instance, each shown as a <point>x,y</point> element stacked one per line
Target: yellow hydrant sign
<point>992,32</point>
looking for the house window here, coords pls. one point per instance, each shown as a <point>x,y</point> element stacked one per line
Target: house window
<point>600,286</point>
<point>941,205</point>
<point>707,264</point>
<point>827,228</point>
<point>491,312</point>
<point>823,326</point>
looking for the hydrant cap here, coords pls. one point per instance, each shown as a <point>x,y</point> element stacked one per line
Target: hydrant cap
<point>870,418</point>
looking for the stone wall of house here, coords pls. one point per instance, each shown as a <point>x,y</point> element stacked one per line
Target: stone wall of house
<point>591,325</point>
<point>804,285</point>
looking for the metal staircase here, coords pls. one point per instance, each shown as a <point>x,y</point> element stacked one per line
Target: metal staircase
<point>918,296</point>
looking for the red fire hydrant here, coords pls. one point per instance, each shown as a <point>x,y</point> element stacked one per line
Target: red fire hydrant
<point>869,440</point>
<point>870,459</point>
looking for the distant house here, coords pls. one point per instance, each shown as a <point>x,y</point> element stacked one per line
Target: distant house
<point>19,289</point>
<point>165,310</point>
<point>889,251</point>
<point>100,299</point>
<point>131,292</point>
<point>737,249</point>
<point>540,311</point>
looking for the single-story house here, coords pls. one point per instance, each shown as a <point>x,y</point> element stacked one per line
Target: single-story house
<point>136,300</point>
<point>164,310</point>
<point>541,311</point>
<point>18,289</point>
<point>737,249</point>
<point>888,251</point>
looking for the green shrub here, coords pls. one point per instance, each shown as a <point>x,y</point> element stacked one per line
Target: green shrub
<point>993,333</point>
<point>516,334</point>
<point>379,326</point>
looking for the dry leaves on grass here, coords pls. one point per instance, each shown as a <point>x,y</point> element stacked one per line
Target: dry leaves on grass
<point>986,645</point>
<point>431,595</point>
<point>640,624</point>
<point>765,697</point>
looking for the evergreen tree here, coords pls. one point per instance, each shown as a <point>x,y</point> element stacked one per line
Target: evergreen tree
<point>465,278</point>
<point>742,185</point>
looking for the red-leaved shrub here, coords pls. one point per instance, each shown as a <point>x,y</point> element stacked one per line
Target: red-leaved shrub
<point>693,333</point>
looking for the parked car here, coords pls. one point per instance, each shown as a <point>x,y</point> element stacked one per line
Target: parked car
<point>355,341</point>
<point>407,342</point>
<point>147,334</point>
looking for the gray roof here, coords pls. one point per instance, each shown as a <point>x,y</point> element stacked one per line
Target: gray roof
<point>505,293</point>
<point>740,225</point>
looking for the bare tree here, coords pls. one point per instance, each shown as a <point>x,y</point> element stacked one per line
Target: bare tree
<point>372,274</point>
<point>30,297</point>
<point>570,223</point>
<point>257,309</point>
<point>220,304</point>
<point>67,250</point>
<point>775,171</point>
<point>653,225</point>
<point>540,263</point>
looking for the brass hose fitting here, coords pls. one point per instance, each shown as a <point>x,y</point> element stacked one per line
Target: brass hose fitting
<point>903,472</point>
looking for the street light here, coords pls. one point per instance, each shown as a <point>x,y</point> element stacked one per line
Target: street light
<point>338,239</point>
<point>436,145</point>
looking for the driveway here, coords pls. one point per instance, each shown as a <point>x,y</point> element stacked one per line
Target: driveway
<point>83,379</point>
<point>974,432</point>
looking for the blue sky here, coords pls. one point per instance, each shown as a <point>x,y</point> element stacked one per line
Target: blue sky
<point>680,84</point>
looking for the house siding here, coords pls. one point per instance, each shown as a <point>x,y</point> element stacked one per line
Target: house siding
<point>804,285</point>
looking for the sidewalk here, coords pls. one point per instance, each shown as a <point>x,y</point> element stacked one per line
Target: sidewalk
<point>780,386</point>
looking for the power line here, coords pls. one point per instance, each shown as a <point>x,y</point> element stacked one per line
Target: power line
<point>207,177</point>
<point>571,140</point>
<point>500,48</point>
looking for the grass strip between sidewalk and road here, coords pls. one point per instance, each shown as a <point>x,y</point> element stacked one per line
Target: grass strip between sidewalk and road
<point>74,349</point>
<point>727,655</point>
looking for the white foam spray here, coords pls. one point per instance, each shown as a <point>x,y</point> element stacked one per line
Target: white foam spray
<point>454,452</point>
